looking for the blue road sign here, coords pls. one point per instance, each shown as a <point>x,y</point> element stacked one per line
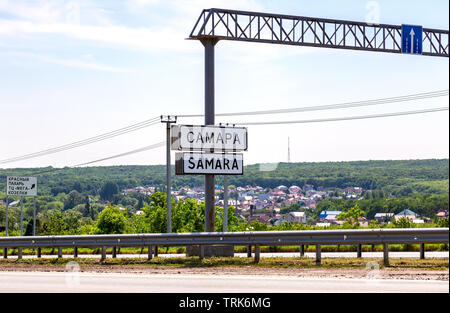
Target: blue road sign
<point>412,39</point>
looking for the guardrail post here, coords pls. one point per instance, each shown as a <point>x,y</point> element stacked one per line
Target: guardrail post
<point>156,251</point>
<point>103,257</point>
<point>201,253</point>
<point>249,251</point>
<point>75,252</point>
<point>5,253</point>
<point>114,254</point>
<point>359,251</point>
<point>422,251</point>
<point>257,253</point>
<point>150,253</point>
<point>302,250</point>
<point>39,252</point>
<point>60,254</point>
<point>318,254</point>
<point>386,254</point>
<point>19,253</point>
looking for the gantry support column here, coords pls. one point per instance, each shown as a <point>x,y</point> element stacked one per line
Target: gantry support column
<point>209,120</point>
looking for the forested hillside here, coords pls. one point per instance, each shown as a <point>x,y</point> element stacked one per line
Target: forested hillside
<point>399,178</point>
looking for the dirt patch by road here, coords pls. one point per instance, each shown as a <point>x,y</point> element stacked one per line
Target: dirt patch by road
<point>344,273</point>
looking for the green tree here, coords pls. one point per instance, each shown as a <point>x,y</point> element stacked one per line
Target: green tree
<point>402,222</point>
<point>188,216</point>
<point>53,223</point>
<point>112,221</point>
<point>443,222</point>
<point>233,220</point>
<point>72,218</point>
<point>108,190</point>
<point>351,217</point>
<point>87,208</point>
<point>73,199</point>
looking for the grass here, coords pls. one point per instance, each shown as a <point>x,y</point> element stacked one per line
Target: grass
<point>274,262</point>
<point>243,249</point>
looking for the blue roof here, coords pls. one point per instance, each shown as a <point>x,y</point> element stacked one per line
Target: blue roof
<point>324,214</point>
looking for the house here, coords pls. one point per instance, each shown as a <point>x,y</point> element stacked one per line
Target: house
<point>442,213</point>
<point>296,217</point>
<point>384,217</point>
<point>261,217</point>
<point>407,213</point>
<point>282,187</point>
<point>279,221</point>
<point>329,215</point>
<point>294,189</point>
<point>14,203</point>
<point>265,196</point>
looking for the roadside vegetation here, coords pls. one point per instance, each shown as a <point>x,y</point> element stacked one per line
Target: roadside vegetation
<point>195,262</point>
<point>79,201</point>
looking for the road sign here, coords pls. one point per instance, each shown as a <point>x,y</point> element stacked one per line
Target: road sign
<point>209,163</point>
<point>208,138</point>
<point>412,39</point>
<point>21,186</point>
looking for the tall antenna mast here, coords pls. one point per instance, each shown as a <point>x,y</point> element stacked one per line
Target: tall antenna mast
<point>289,151</point>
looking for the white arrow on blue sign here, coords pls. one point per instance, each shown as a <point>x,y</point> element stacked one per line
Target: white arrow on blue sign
<point>412,39</point>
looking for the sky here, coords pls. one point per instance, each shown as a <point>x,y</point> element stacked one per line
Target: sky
<point>71,70</point>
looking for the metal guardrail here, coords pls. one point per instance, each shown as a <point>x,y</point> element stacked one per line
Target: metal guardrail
<point>256,239</point>
<point>269,238</point>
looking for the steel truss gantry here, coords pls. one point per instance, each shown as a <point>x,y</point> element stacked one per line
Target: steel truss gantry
<point>214,25</point>
<point>223,24</point>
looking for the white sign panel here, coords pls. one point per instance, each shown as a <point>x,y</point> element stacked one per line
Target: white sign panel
<point>21,186</point>
<point>208,138</point>
<point>209,163</point>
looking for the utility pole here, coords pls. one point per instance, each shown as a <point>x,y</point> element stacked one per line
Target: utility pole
<point>289,151</point>
<point>168,120</point>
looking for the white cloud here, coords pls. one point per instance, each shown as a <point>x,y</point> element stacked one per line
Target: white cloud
<point>86,61</point>
<point>129,37</point>
<point>42,11</point>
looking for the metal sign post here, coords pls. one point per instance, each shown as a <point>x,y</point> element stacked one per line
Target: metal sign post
<point>34,217</point>
<point>209,120</point>
<point>225,203</point>
<point>168,120</point>
<point>6,222</point>
<point>21,216</point>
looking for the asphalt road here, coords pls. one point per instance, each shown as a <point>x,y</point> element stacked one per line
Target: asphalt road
<point>51,282</point>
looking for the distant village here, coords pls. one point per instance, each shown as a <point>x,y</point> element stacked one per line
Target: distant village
<point>265,204</point>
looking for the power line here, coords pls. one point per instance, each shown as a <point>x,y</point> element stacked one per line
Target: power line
<point>345,105</point>
<point>76,144</point>
<point>162,143</point>
<point>146,148</point>
<point>154,121</point>
<point>346,118</point>
<point>154,146</point>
